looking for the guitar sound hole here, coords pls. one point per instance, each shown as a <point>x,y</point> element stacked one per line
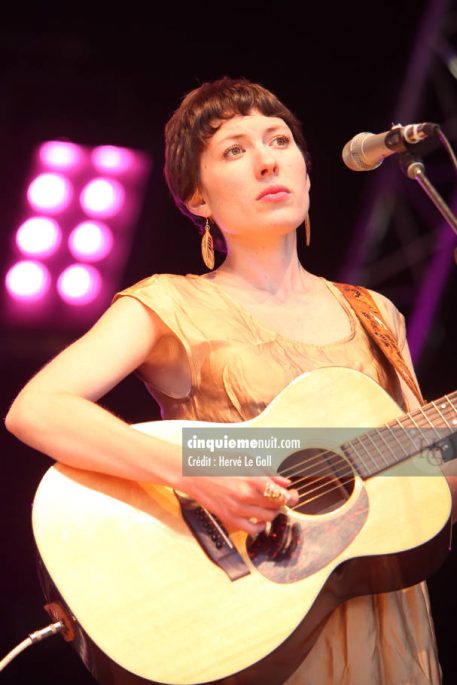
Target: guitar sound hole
<point>324,479</point>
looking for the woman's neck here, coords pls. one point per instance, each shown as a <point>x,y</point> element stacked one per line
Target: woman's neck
<point>271,267</point>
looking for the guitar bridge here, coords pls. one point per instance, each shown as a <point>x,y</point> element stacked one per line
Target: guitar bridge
<point>212,538</point>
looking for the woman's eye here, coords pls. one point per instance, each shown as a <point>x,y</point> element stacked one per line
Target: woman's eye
<point>282,141</point>
<point>233,150</point>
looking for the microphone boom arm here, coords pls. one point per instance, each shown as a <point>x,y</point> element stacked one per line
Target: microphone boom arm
<point>414,168</point>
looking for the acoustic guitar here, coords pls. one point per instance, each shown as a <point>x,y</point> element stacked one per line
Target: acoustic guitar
<point>158,592</point>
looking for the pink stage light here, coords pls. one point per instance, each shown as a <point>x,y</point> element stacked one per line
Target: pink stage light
<point>112,159</point>
<point>79,284</point>
<point>90,241</point>
<point>39,236</point>
<point>102,198</point>
<point>50,192</point>
<point>28,281</point>
<point>60,155</point>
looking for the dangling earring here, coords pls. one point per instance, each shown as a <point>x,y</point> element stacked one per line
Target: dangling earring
<point>207,247</point>
<point>308,230</point>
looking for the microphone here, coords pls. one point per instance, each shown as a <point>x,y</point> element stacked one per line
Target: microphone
<point>367,151</point>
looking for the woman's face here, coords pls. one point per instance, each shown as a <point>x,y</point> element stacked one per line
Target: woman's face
<point>247,157</point>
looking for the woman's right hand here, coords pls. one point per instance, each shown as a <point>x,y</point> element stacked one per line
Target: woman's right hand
<point>239,502</point>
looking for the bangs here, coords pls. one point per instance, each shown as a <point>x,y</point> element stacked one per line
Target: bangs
<point>225,104</point>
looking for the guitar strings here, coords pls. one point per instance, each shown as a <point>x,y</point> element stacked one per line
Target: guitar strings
<point>368,437</point>
<point>308,472</point>
<point>337,486</point>
<point>320,495</point>
<point>341,474</point>
<point>323,489</point>
<point>309,461</point>
<point>345,475</point>
<point>316,458</point>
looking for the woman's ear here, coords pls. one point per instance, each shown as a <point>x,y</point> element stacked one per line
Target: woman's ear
<point>198,206</point>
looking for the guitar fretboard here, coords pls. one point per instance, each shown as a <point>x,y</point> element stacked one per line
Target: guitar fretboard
<point>425,429</point>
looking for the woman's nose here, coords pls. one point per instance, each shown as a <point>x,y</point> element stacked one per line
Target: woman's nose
<point>267,163</point>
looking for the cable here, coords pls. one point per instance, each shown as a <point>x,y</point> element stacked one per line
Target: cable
<point>37,636</point>
<point>446,144</point>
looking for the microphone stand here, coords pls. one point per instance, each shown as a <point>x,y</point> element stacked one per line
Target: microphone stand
<point>413,167</point>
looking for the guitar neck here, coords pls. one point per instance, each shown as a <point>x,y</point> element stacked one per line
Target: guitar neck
<point>432,427</point>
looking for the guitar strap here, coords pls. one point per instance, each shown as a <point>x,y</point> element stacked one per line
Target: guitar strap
<point>373,322</point>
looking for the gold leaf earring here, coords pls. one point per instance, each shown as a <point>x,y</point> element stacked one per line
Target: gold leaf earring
<point>308,230</point>
<point>207,247</point>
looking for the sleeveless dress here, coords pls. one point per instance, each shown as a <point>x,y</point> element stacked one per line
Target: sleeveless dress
<point>236,367</point>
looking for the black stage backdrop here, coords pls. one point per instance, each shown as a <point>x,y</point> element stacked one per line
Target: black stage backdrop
<point>115,75</point>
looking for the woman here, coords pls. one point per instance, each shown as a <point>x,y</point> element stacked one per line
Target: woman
<point>236,162</point>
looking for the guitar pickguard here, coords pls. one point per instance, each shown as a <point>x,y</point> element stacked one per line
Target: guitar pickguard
<point>297,546</point>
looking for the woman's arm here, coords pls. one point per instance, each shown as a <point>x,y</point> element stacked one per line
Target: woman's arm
<point>56,413</point>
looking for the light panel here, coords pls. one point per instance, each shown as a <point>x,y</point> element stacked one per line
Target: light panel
<point>80,208</point>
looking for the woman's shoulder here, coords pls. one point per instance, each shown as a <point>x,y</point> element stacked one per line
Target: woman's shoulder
<point>159,284</point>
<point>160,279</point>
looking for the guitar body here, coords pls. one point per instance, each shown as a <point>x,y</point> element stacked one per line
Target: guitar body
<point>151,607</point>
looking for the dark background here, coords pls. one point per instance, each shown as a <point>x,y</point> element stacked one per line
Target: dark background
<point>103,75</point>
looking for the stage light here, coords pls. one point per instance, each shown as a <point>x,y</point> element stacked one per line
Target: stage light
<point>79,284</point>
<point>28,281</point>
<point>108,158</point>
<point>51,193</point>
<point>39,236</point>
<point>86,203</point>
<point>60,154</point>
<point>90,241</point>
<point>102,197</point>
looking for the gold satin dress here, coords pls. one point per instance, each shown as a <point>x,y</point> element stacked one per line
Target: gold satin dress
<point>236,366</point>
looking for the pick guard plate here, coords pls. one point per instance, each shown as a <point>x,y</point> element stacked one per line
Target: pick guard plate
<point>298,546</point>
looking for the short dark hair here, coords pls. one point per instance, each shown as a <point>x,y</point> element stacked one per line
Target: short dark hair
<point>193,124</point>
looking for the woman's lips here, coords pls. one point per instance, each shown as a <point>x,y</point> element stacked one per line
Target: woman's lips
<point>277,196</point>
<point>274,193</point>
